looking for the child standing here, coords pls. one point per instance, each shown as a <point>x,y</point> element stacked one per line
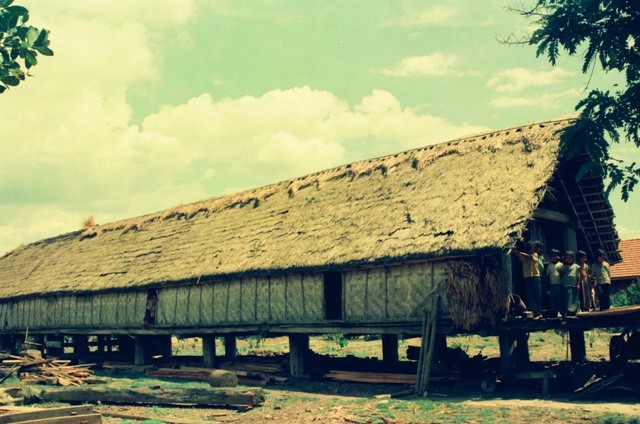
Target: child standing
<point>531,274</point>
<point>569,272</point>
<point>601,274</point>
<point>583,281</point>
<point>553,276</point>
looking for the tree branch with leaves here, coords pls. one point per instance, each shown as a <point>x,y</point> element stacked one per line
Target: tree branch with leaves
<point>604,32</point>
<point>19,44</point>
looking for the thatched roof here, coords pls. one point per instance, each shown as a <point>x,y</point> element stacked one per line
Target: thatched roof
<point>467,196</point>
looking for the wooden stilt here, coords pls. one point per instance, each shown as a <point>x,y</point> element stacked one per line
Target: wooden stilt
<point>427,347</point>
<point>230,348</point>
<point>390,348</point>
<point>162,346</point>
<point>80,348</point>
<point>507,346</point>
<point>101,340</point>
<point>298,351</point>
<point>209,350</point>
<point>521,352</point>
<point>141,356</point>
<point>577,345</point>
<point>126,348</point>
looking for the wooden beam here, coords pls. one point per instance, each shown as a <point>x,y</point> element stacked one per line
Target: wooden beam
<point>577,345</point>
<point>390,348</point>
<point>106,393</point>
<point>230,347</point>
<point>551,215</point>
<point>141,356</point>
<point>209,350</point>
<point>507,346</point>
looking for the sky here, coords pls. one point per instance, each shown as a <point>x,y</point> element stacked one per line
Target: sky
<point>149,104</point>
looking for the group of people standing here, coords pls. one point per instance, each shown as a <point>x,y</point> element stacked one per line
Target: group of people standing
<point>570,283</point>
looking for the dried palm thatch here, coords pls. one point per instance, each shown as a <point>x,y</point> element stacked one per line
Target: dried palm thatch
<point>475,292</point>
<point>464,197</point>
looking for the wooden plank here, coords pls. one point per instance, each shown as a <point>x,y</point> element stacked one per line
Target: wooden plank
<point>26,414</point>
<point>77,419</point>
<point>371,377</point>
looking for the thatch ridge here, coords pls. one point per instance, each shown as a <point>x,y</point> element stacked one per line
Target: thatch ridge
<point>459,197</point>
<point>382,164</point>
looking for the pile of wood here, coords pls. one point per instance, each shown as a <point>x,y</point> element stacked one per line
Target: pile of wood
<point>32,368</point>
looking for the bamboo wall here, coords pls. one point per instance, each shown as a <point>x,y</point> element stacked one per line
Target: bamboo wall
<point>375,294</point>
<point>390,293</point>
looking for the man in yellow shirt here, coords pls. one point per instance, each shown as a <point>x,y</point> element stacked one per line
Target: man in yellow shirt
<point>531,274</point>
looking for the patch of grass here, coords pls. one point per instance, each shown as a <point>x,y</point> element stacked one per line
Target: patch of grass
<point>615,418</point>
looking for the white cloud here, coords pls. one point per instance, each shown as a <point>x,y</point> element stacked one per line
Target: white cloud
<point>434,64</point>
<point>69,149</point>
<point>417,14</point>
<point>560,100</point>
<point>627,233</point>
<point>518,79</point>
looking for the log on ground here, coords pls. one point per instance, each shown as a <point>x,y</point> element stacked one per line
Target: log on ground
<point>106,393</point>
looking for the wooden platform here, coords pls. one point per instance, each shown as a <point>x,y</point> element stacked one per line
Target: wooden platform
<point>626,311</point>
<point>627,316</point>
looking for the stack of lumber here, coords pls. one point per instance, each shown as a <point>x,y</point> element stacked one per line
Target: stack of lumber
<point>371,377</point>
<point>34,369</point>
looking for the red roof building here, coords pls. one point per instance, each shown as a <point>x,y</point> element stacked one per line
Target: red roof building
<point>629,269</point>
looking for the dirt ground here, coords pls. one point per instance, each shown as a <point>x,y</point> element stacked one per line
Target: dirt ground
<point>321,401</point>
<point>330,402</point>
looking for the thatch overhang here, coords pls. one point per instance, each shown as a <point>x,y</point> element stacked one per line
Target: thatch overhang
<point>469,196</point>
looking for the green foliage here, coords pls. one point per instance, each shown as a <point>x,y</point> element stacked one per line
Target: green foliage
<point>19,44</point>
<point>604,32</point>
<point>627,297</point>
<point>614,418</point>
<point>339,339</point>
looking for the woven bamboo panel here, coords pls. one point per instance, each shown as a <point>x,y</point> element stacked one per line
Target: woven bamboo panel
<point>182,306</point>
<point>50,311</point>
<point>194,304</point>
<point>313,287</point>
<point>166,305</point>
<point>207,304</point>
<point>249,299</point>
<point>108,314</point>
<point>233,312</point>
<point>295,298</point>
<point>376,294</point>
<point>262,313</point>
<point>85,310</point>
<point>277,299</point>
<point>355,290</point>
<point>65,308</point>
<point>3,311</point>
<point>220,297</point>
